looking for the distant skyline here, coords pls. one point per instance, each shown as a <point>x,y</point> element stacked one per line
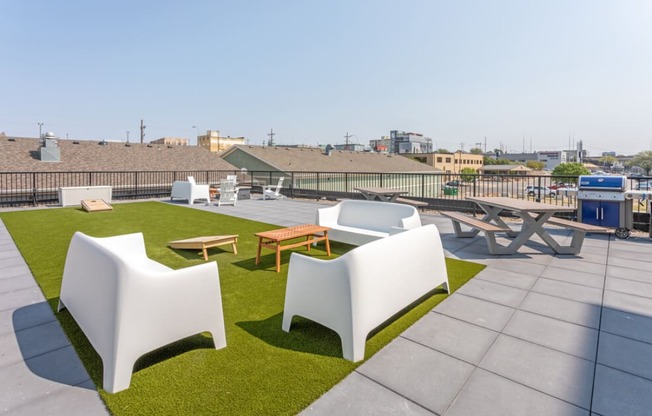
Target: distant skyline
<point>523,74</point>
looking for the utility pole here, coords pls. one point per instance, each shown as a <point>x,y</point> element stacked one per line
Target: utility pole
<point>142,131</point>
<point>271,135</point>
<point>347,137</point>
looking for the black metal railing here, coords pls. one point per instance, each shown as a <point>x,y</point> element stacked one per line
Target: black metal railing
<point>439,190</point>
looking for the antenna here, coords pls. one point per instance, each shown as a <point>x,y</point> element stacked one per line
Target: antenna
<point>142,131</point>
<point>271,135</point>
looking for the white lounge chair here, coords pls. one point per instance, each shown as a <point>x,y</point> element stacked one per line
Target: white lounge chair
<point>228,193</point>
<point>273,191</point>
<point>363,288</point>
<point>190,191</point>
<point>128,305</point>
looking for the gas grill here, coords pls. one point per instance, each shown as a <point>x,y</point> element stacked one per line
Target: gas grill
<point>601,200</point>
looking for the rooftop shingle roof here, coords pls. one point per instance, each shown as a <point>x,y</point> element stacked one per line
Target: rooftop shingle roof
<point>305,159</point>
<point>19,154</point>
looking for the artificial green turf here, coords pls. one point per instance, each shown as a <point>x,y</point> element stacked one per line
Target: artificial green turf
<point>263,370</point>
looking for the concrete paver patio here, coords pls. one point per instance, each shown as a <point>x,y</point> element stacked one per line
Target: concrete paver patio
<point>534,333</point>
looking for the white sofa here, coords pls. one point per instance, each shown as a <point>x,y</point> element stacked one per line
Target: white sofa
<point>128,305</point>
<point>359,222</point>
<point>190,190</point>
<point>363,288</point>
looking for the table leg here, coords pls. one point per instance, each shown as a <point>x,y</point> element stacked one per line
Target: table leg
<point>328,244</point>
<point>308,238</point>
<point>260,242</point>
<point>491,214</point>
<point>531,226</point>
<point>235,248</point>
<point>278,256</point>
<point>576,242</point>
<point>203,248</point>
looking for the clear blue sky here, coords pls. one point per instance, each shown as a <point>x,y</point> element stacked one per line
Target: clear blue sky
<point>524,74</point>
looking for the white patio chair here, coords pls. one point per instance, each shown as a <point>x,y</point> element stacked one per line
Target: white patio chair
<point>228,193</point>
<point>358,291</point>
<point>273,191</point>
<point>128,305</point>
<point>190,191</point>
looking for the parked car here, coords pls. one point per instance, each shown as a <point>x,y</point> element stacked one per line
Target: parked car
<point>644,185</point>
<point>453,184</point>
<point>532,190</point>
<point>562,185</point>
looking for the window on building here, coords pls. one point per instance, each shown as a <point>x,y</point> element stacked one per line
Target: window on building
<point>439,159</point>
<point>448,160</point>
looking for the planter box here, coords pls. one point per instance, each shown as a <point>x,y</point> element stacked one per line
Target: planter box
<point>73,195</point>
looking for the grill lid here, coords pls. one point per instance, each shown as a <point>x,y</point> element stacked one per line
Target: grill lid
<point>602,183</point>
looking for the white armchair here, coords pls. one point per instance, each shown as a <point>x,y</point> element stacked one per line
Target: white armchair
<point>363,288</point>
<point>273,191</point>
<point>190,191</point>
<point>127,304</point>
<point>228,193</point>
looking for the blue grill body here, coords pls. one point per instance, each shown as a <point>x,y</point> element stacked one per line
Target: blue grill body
<point>601,201</point>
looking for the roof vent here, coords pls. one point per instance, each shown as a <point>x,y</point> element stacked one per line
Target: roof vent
<point>75,142</point>
<point>50,151</point>
<point>127,145</point>
<point>12,139</point>
<point>149,145</point>
<point>328,149</point>
<point>102,142</point>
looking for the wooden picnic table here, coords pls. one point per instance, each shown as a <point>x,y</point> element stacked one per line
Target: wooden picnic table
<point>381,194</point>
<point>273,239</point>
<point>534,215</point>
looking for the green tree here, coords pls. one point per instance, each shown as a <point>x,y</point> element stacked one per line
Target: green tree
<point>492,161</point>
<point>476,151</point>
<point>607,160</point>
<point>568,172</point>
<point>534,164</point>
<point>643,160</point>
<point>468,174</point>
<point>443,151</point>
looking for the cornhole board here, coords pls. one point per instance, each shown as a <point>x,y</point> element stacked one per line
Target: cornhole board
<point>92,205</point>
<point>206,242</point>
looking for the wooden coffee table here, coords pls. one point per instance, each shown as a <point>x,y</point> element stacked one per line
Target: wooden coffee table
<point>273,239</point>
<point>206,242</point>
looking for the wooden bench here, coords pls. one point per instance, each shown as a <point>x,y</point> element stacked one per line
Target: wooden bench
<point>413,202</point>
<point>579,231</point>
<point>475,223</point>
<point>578,226</point>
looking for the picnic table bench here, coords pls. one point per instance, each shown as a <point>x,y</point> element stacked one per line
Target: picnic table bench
<point>413,202</point>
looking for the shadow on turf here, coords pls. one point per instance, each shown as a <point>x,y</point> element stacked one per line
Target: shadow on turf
<point>58,368</point>
<point>304,336</point>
